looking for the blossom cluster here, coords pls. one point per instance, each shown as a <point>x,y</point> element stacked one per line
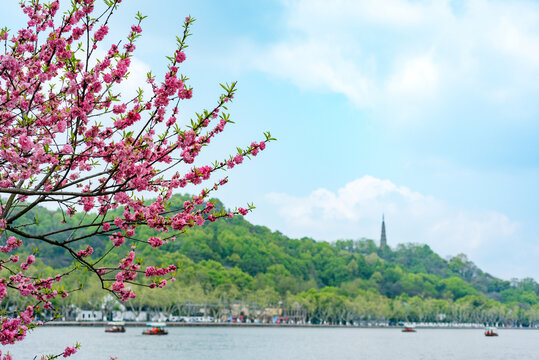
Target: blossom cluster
<point>69,138</point>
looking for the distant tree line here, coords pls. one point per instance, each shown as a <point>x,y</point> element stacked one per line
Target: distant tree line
<point>234,266</point>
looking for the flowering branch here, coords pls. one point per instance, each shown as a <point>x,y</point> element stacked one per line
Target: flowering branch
<point>67,138</point>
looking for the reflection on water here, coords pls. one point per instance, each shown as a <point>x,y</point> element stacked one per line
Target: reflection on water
<point>236,343</point>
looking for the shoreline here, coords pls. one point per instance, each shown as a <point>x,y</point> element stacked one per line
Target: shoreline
<point>211,324</point>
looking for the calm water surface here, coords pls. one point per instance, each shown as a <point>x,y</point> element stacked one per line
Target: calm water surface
<point>281,343</point>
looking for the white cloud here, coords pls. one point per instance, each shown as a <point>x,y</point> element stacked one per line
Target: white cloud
<point>400,58</point>
<point>317,65</point>
<point>355,210</point>
<point>479,230</point>
<point>417,76</point>
<point>518,42</point>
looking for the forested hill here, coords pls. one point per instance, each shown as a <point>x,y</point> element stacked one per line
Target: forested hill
<point>252,258</point>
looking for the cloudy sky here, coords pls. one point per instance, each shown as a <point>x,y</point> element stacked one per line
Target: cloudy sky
<point>425,111</point>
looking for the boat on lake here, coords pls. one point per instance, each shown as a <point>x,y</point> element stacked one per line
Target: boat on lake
<point>155,329</point>
<point>408,329</point>
<point>116,327</point>
<point>491,331</point>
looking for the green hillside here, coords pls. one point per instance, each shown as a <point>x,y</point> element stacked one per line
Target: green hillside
<point>234,262</point>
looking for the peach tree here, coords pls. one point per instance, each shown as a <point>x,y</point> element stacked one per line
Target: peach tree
<point>69,139</point>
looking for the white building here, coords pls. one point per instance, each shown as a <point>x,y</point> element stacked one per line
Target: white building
<point>129,316</point>
<point>89,315</point>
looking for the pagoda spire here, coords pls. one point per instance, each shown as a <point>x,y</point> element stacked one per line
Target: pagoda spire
<point>383,239</point>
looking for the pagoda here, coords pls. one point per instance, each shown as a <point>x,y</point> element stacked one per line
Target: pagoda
<point>383,239</point>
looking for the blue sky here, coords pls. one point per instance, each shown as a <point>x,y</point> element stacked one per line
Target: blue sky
<point>426,111</point>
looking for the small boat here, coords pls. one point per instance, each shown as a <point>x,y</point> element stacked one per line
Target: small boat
<point>116,327</point>
<point>408,329</point>
<point>491,331</point>
<point>155,329</point>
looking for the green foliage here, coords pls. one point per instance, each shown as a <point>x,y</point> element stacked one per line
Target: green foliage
<point>232,261</point>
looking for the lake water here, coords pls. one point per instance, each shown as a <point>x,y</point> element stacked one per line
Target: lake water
<point>248,343</point>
